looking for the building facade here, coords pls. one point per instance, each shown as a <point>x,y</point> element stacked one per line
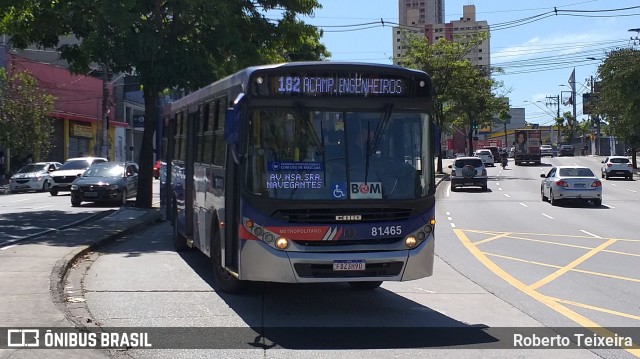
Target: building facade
<point>434,31</point>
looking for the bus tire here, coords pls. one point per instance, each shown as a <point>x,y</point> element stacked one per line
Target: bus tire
<point>226,281</point>
<point>179,241</point>
<point>365,285</point>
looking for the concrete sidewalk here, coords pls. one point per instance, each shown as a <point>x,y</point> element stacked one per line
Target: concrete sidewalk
<point>32,275</point>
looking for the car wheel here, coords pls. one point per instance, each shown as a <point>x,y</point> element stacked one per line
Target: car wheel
<point>226,281</point>
<point>365,285</point>
<point>75,202</point>
<point>552,199</point>
<point>606,175</point>
<point>45,186</point>
<point>597,202</point>
<point>123,200</point>
<point>179,241</point>
<point>53,191</point>
<point>484,188</point>
<point>544,198</point>
<point>454,188</point>
<point>630,177</point>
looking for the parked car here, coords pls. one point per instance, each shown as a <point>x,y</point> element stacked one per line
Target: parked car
<point>565,150</point>
<point>468,171</point>
<point>33,177</point>
<point>486,156</point>
<point>62,178</point>
<point>617,166</point>
<point>546,150</point>
<point>571,182</point>
<point>495,152</point>
<point>106,182</point>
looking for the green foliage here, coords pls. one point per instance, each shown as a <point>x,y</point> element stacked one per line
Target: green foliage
<point>619,94</point>
<point>168,44</point>
<point>463,92</point>
<point>24,107</point>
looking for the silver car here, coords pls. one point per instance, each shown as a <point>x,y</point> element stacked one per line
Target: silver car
<point>468,171</point>
<point>33,177</point>
<point>571,182</point>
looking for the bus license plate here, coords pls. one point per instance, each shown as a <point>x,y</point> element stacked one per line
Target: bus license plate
<point>349,265</point>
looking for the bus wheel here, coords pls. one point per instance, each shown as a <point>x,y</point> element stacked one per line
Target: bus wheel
<point>179,242</point>
<point>365,285</point>
<point>226,281</point>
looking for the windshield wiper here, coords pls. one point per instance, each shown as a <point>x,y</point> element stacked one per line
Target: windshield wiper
<point>315,139</point>
<point>382,125</point>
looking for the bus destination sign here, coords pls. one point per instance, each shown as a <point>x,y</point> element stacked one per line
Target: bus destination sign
<point>338,85</point>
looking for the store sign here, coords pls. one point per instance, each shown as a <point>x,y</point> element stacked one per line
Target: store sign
<point>81,131</point>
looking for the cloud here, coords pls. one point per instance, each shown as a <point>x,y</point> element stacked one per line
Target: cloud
<point>554,45</point>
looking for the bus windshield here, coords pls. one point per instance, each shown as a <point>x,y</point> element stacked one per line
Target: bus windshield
<point>328,155</point>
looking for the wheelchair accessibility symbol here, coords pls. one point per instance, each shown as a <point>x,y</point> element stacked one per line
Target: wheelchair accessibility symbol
<point>339,190</point>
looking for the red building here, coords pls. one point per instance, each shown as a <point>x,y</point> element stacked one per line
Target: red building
<point>77,108</point>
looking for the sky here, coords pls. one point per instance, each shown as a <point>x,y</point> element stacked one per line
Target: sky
<point>537,49</point>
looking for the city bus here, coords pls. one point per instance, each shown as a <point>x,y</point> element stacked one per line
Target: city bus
<point>306,172</point>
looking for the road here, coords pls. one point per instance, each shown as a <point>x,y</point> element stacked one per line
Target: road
<point>25,215</point>
<point>504,259</point>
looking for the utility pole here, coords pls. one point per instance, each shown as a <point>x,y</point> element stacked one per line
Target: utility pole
<point>104,148</point>
<point>555,100</point>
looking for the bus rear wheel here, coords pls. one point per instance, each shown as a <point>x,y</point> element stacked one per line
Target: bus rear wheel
<point>365,285</point>
<point>226,281</point>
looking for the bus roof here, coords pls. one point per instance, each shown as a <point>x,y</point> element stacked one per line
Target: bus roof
<point>241,78</point>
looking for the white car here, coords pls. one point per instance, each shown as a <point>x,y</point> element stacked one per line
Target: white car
<point>617,166</point>
<point>486,156</point>
<point>571,183</point>
<point>62,178</point>
<point>468,171</point>
<point>33,177</point>
<point>546,150</point>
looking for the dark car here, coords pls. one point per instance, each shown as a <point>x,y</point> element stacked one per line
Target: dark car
<point>565,150</point>
<point>106,182</point>
<point>495,151</point>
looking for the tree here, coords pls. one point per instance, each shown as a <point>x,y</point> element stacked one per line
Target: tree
<point>619,96</point>
<point>167,44</point>
<point>24,108</point>
<point>504,117</point>
<point>445,62</point>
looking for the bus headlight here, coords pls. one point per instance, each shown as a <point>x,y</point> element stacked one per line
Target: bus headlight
<point>410,241</point>
<point>268,237</point>
<point>282,243</point>
<point>258,231</point>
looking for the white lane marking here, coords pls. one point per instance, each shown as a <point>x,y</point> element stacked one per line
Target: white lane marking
<point>452,225</point>
<point>546,215</point>
<point>631,190</point>
<point>7,247</point>
<point>614,185</point>
<point>523,205</point>
<point>448,213</point>
<point>506,195</point>
<point>51,205</point>
<point>449,218</point>
<point>499,189</point>
<point>589,234</point>
<point>497,183</point>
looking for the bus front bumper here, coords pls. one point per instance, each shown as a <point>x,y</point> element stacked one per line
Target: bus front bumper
<point>260,262</point>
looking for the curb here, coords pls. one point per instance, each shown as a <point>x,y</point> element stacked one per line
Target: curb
<point>61,268</point>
